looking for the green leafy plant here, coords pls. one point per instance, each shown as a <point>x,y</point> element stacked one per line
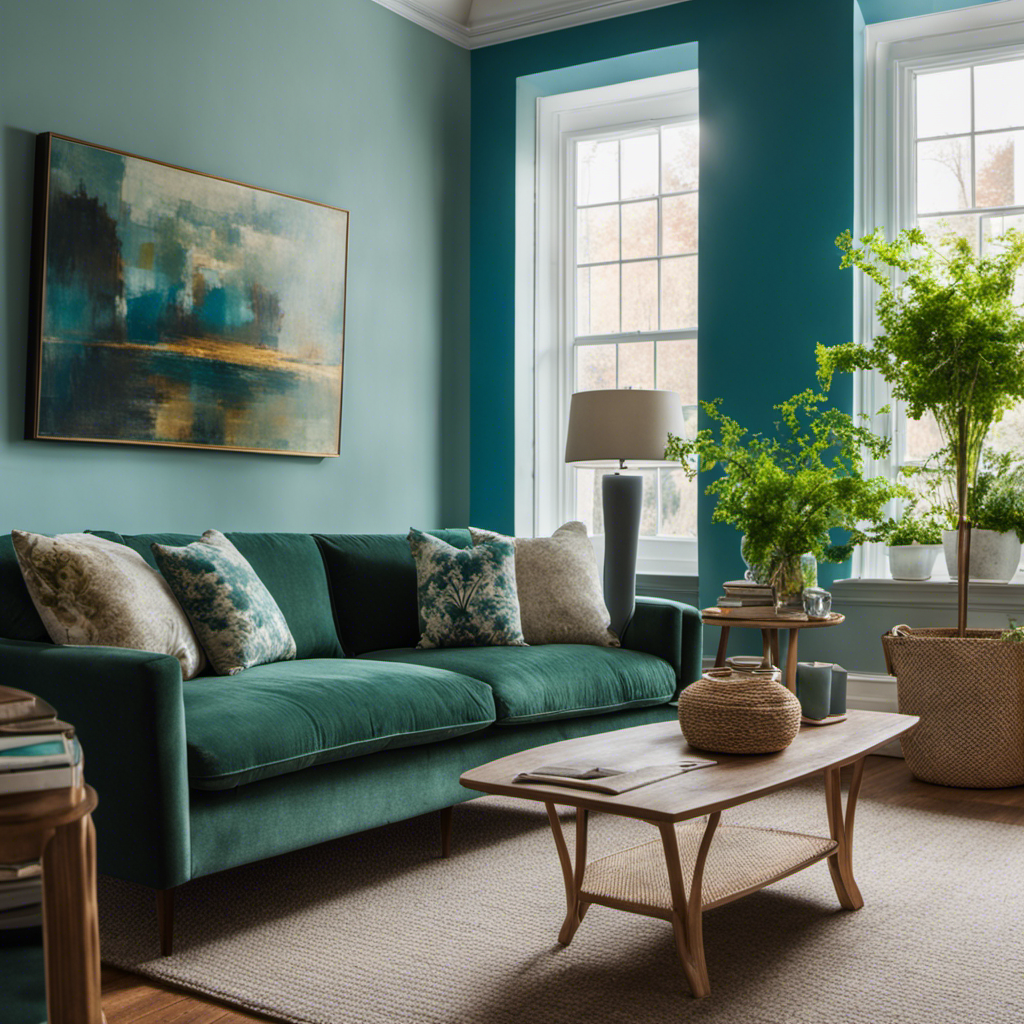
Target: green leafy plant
<point>911,528</point>
<point>953,342</point>
<point>789,492</point>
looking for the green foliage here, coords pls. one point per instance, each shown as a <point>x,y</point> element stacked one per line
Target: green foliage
<point>910,528</point>
<point>1016,635</point>
<point>786,493</point>
<point>954,340</point>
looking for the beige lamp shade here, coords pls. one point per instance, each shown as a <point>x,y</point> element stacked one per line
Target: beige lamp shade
<point>623,424</point>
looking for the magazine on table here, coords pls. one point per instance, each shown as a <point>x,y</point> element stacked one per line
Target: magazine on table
<point>609,780</point>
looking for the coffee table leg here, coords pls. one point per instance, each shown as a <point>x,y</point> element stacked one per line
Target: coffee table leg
<point>686,913</point>
<point>723,647</point>
<point>840,864</point>
<point>791,660</point>
<point>573,878</point>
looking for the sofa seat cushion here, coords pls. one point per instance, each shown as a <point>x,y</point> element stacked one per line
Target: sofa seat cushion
<point>279,718</point>
<point>533,684</point>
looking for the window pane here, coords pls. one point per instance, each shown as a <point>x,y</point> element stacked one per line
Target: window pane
<point>678,504</point>
<point>690,421</point>
<point>677,369</point>
<point>679,293</point>
<point>597,172</point>
<point>639,230</point>
<point>636,365</point>
<point>999,95</point>
<point>595,367</point>
<point>1000,160</point>
<point>649,509</point>
<point>923,439</point>
<point>944,103</point>
<point>588,500</point>
<point>597,234</point>
<point>992,229</point>
<point>962,224</point>
<point>679,157</point>
<point>1008,434</point>
<point>640,167</point>
<point>679,224</point>
<point>597,300</point>
<point>640,298</point>
<point>943,175</point>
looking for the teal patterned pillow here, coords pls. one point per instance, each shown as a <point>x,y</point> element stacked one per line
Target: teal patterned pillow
<point>235,617</point>
<point>467,596</point>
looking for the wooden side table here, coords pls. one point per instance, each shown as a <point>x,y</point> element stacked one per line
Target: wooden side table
<point>55,826</point>
<point>732,617</point>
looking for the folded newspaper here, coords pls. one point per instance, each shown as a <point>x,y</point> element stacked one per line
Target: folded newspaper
<point>609,780</point>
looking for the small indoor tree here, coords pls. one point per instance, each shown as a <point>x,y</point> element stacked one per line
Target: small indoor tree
<point>953,344</point>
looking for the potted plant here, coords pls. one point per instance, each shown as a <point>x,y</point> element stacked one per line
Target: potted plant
<point>787,493</point>
<point>953,346</point>
<point>914,542</point>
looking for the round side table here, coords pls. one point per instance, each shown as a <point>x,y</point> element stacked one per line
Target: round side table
<point>770,626</point>
<point>55,826</point>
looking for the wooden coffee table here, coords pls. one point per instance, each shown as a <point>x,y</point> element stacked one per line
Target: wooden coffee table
<point>682,873</point>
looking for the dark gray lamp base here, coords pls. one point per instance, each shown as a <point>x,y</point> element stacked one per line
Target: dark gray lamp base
<point>622,500</point>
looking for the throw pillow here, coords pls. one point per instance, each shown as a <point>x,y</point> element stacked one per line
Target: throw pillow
<point>91,591</point>
<point>235,617</point>
<point>560,596</point>
<point>467,596</point>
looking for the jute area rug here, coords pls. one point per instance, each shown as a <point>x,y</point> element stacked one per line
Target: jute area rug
<point>376,928</point>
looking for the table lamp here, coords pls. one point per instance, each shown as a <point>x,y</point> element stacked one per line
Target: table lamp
<point>621,424</point>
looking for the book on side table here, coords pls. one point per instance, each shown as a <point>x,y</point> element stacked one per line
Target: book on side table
<point>609,780</point>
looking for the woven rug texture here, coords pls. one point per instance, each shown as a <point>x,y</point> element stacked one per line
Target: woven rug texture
<point>377,929</point>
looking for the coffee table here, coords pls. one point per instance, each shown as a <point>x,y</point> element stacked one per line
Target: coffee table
<point>693,866</point>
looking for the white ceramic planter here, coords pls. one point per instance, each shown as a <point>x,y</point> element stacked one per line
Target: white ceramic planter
<point>912,561</point>
<point>994,556</point>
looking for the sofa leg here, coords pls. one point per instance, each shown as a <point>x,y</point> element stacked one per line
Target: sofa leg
<point>446,832</point>
<point>165,919</point>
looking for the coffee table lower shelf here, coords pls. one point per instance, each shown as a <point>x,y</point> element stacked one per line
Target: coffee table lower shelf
<point>742,860</point>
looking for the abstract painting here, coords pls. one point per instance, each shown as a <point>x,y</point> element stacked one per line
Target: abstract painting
<point>171,307</point>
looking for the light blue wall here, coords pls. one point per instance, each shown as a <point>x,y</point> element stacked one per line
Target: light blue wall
<point>889,10</point>
<point>340,101</point>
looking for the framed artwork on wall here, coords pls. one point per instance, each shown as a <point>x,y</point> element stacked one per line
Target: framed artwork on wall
<point>172,307</point>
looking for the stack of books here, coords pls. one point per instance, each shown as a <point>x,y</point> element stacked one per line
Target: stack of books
<point>21,895</point>
<point>745,594</point>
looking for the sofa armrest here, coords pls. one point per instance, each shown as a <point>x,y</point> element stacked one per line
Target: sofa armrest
<point>672,631</point>
<point>127,710</point>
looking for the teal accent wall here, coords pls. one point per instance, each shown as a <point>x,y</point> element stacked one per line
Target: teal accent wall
<point>777,166</point>
<point>341,101</point>
<point>889,10</point>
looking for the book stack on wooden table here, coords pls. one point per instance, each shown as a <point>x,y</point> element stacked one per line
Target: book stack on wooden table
<point>748,599</point>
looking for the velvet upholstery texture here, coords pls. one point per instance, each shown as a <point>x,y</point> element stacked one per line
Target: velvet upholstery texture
<point>274,719</point>
<point>290,567</point>
<point>373,587</point>
<point>262,820</point>
<point>19,619</point>
<point>533,684</point>
<point>668,630</point>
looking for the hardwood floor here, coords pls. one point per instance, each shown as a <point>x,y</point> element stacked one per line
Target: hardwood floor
<point>128,999</point>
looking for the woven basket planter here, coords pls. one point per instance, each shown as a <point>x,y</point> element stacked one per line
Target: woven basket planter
<point>969,694</point>
<point>731,712</point>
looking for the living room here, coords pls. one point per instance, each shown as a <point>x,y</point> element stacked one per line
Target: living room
<point>443,133</point>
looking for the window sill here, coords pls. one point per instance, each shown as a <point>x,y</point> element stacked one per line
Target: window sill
<point>933,593</point>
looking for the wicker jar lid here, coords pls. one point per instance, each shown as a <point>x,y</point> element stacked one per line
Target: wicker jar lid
<point>736,712</point>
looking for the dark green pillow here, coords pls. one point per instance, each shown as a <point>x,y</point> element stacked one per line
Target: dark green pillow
<point>237,620</point>
<point>467,596</point>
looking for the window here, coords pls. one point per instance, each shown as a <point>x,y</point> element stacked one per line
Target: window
<point>616,298</point>
<point>945,151</point>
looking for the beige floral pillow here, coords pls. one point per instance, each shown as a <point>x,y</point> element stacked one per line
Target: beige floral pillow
<point>561,600</point>
<point>92,591</point>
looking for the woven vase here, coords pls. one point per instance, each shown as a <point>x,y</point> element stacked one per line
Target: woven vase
<point>733,712</point>
<point>969,694</point>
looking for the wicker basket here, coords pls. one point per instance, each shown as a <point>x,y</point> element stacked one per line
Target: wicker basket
<point>969,694</point>
<point>731,712</point>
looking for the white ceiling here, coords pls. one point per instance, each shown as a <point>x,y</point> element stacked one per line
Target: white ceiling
<point>473,23</point>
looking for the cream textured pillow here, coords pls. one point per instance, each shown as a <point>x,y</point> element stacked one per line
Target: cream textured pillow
<point>91,591</point>
<point>560,595</point>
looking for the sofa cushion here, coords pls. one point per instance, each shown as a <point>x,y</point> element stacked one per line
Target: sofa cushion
<point>533,684</point>
<point>19,619</point>
<point>292,569</point>
<point>274,719</point>
<point>373,587</point>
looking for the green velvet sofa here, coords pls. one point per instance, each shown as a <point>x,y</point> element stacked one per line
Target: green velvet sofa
<point>360,730</point>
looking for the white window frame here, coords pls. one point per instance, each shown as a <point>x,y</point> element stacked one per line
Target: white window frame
<point>561,119</point>
<point>893,52</point>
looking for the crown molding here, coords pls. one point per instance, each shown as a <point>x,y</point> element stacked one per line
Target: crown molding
<point>500,28</point>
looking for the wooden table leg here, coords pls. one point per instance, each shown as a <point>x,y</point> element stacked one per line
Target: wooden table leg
<point>71,936</point>
<point>773,635</point>
<point>766,649</point>
<point>446,832</point>
<point>723,646</point>
<point>573,879</point>
<point>791,660</point>
<point>686,913</point>
<point>840,864</point>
